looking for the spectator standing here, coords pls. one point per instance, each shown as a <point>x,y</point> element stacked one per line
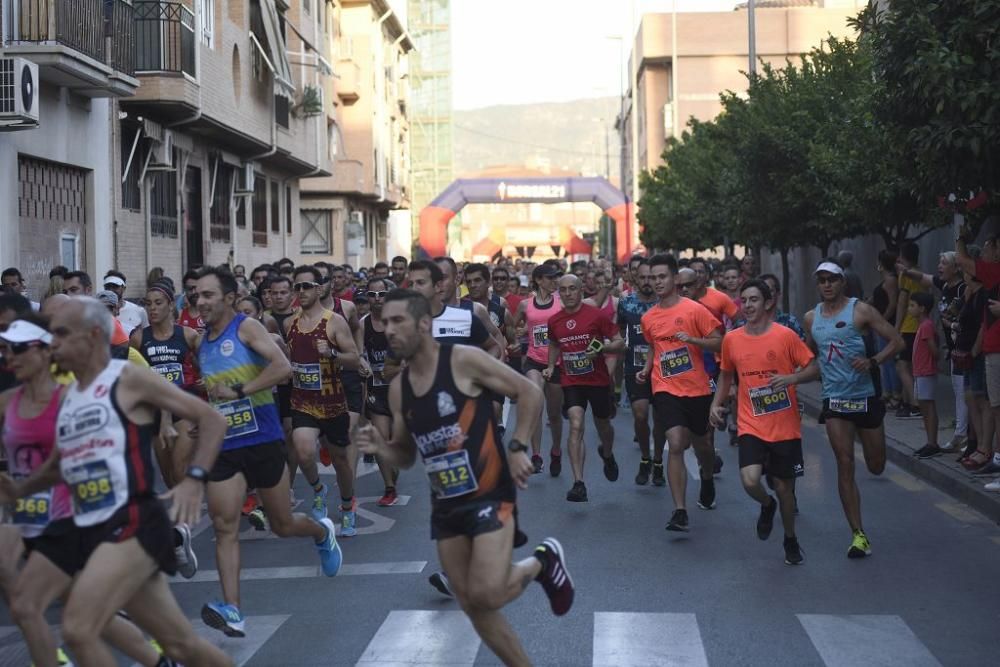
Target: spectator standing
<point>852,287</point>
<point>906,325</point>
<point>968,356</point>
<point>884,298</point>
<point>926,354</point>
<point>950,283</point>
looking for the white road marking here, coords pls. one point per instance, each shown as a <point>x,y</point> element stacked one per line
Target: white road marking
<point>873,641</point>
<point>309,571</point>
<point>379,522</point>
<point>409,638</point>
<point>625,639</point>
<point>259,630</point>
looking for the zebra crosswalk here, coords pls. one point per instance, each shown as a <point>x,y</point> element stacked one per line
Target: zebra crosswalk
<point>412,638</point>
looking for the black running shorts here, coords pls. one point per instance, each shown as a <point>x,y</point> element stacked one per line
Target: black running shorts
<point>377,402</point>
<point>60,544</point>
<point>532,365</point>
<point>476,517</point>
<point>354,389</point>
<point>870,418</point>
<point>691,412</point>
<point>261,465</point>
<point>637,391</point>
<point>780,459</point>
<point>336,430</point>
<point>144,519</point>
<point>284,396</point>
<point>578,396</point>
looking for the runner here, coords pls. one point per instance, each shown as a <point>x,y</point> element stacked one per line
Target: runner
<point>680,330</point>
<point>836,330</point>
<point>770,360</point>
<point>319,346</point>
<point>441,408</point>
<point>477,278</point>
<point>121,536</point>
<point>605,301</point>
<point>376,352</point>
<point>40,521</point>
<point>631,308</point>
<point>450,297</point>
<point>532,318</point>
<point>189,316</point>
<point>241,364</point>
<point>397,270</point>
<point>576,337</point>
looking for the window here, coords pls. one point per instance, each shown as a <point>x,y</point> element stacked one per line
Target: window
<point>259,205</point>
<point>315,233</point>
<point>307,6</point>
<point>281,115</point>
<point>131,165</point>
<point>219,215</point>
<point>275,208</point>
<point>288,210</point>
<point>206,11</point>
<point>163,203</point>
<point>67,251</point>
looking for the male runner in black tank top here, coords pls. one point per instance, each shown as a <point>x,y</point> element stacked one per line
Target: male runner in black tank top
<point>440,407</point>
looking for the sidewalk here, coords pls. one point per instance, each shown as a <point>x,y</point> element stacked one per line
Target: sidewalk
<point>905,436</point>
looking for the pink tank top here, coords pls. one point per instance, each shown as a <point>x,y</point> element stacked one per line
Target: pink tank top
<point>29,443</point>
<point>537,321</point>
<point>609,308</point>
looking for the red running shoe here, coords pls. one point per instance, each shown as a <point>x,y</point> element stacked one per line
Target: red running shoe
<point>250,504</point>
<point>388,499</point>
<point>324,456</point>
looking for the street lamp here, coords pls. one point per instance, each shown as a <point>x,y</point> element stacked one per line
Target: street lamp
<point>752,27</point>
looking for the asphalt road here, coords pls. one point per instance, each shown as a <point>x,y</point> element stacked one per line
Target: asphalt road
<point>929,595</point>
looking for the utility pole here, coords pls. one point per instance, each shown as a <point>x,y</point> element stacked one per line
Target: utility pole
<point>753,36</point>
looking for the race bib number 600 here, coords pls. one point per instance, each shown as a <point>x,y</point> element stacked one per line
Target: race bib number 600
<point>451,474</point>
<point>766,400</point>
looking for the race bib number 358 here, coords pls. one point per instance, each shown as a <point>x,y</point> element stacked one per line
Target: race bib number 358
<point>240,418</point>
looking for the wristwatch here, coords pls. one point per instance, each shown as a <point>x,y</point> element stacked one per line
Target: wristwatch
<point>238,388</point>
<point>516,446</point>
<point>197,473</point>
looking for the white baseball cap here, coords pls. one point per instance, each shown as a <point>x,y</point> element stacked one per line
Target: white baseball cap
<point>114,280</point>
<point>829,267</point>
<point>22,331</point>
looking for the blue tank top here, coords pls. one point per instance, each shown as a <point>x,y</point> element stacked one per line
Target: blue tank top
<point>838,341</point>
<point>252,420</point>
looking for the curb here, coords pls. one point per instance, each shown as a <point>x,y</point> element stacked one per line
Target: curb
<point>932,471</point>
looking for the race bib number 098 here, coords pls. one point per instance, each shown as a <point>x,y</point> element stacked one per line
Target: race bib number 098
<point>92,489</point>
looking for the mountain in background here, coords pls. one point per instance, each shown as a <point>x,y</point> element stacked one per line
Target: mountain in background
<point>566,135</point>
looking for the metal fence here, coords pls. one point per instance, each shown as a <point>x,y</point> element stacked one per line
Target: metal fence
<point>78,24</point>
<point>120,28</point>
<point>165,37</point>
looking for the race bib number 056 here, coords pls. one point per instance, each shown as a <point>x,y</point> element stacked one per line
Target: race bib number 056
<point>675,362</point>
<point>451,474</point>
<point>766,400</point>
<point>306,377</point>
<point>240,418</point>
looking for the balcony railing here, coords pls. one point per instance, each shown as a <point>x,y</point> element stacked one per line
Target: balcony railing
<point>77,24</point>
<point>121,33</point>
<point>165,38</point>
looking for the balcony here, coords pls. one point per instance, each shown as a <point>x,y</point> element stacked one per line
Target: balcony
<point>348,81</point>
<point>165,59</point>
<point>87,46</point>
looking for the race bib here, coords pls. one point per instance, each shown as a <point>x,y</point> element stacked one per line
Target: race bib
<point>172,373</point>
<point>33,510</point>
<point>378,375</point>
<point>675,362</point>
<point>91,485</point>
<point>766,400</point>
<point>451,474</point>
<point>577,363</point>
<point>240,418</point>
<point>639,355</point>
<point>306,377</point>
<point>849,406</point>
<point>540,335</point>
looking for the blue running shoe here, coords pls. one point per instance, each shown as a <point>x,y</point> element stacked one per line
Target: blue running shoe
<point>319,510</point>
<point>349,521</point>
<point>330,555</point>
<point>224,617</point>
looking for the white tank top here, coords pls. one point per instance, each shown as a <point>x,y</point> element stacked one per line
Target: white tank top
<point>103,461</point>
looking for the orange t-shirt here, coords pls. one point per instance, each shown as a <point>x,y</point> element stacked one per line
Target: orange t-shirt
<point>678,368</point>
<point>770,415</point>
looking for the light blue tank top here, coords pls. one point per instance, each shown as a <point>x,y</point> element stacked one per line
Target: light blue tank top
<point>226,360</point>
<point>837,342</point>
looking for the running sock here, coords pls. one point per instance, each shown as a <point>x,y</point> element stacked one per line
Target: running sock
<point>658,462</point>
<point>346,503</point>
<point>317,486</point>
<point>643,460</point>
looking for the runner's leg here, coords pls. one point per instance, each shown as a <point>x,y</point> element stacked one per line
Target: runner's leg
<point>640,415</point>
<point>606,433</point>
<point>785,488</point>
<point>553,405</point>
<point>678,440</point>
<point>283,522</point>
<point>304,441</point>
<point>841,432</point>
<point>750,476</point>
<point>225,499</point>
<point>873,446</point>
<point>536,437</point>
<point>577,455</point>
<point>180,452</point>
<point>35,589</point>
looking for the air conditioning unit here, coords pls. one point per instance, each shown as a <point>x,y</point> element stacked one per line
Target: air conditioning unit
<point>668,119</point>
<point>247,180</point>
<point>18,94</point>
<point>161,153</point>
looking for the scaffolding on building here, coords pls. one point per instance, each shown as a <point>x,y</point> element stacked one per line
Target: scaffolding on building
<point>431,155</point>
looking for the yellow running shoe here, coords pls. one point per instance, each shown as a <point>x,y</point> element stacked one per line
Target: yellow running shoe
<point>860,546</point>
<point>156,646</point>
<point>61,657</point>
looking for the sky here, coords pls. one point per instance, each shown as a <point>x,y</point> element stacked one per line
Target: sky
<point>528,51</point>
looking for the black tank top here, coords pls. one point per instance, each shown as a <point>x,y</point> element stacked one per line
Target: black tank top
<point>171,358</point>
<point>457,439</point>
<point>280,319</point>
<point>376,351</point>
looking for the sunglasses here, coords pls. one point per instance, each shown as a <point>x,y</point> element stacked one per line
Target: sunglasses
<point>827,280</point>
<point>377,295</point>
<point>303,286</point>
<point>685,285</point>
<point>21,348</point>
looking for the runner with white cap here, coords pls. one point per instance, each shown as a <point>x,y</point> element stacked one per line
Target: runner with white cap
<point>837,331</point>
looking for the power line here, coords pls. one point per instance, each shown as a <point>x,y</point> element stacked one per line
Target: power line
<point>527,143</point>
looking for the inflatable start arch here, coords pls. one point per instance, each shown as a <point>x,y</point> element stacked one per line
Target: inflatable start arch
<point>435,217</point>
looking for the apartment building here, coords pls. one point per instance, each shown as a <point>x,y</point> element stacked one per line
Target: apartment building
<point>63,63</point>
<point>711,52</point>
<point>231,112</point>
<point>350,215</point>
